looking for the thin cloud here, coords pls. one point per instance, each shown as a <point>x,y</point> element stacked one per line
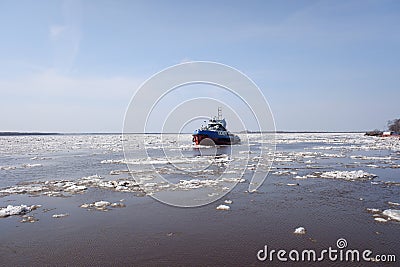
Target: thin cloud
<point>56,31</point>
<point>66,37</point>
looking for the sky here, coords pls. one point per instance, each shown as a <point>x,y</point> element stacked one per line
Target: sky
<point>74,66</point>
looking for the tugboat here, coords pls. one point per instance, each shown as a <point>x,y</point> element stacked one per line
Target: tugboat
<point>215,133</point>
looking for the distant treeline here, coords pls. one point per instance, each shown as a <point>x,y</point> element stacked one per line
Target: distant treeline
<point>392,126</point>
<point>374,133</point>
<point>20,133</point>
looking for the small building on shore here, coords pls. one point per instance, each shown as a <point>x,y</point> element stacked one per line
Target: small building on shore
<point>389,134</point>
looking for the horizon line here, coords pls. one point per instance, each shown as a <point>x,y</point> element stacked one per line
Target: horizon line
<point>16,133</point>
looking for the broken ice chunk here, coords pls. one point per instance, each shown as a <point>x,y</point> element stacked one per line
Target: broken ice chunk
<point>393,203</point>
<point>75,188</point>
<point>60,215</point>
<point>300,177</point>
<point>349,175</point>
<point>16,210</point>
<point>31,165</point>
<point>118,205</point>
<point>392,214</point>
<point>102,203</point>
<point>7,168</point>
<point>223,207</point>
<point>371,210</point>
<point>29,219</point>
<point>300,231</point>
<point>379,219</point>
<point>150,184</point>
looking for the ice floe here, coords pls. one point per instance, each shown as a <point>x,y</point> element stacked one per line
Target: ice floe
<point>348,175</point>
<point>31,165</point>
<point>102,205</point>
<point>118,172</point>
<point>75,188</point>
<point>8,168</point>
<point>196,183</point>
<point>392,183</point>
<point>284,173</point>
<point>331,155</point>
<point>299,231</point>
<point>23,166</point>
<point>393,203</point>
<point>113,161</point>
<point>61,215</point>
<point>28,219</point>
<point>22,189</point>
<point>371,158</point>
<point>223,207</point>
<point>164,161</point>
<point>384,216</point>
<point>304,176</point>
<point>373,210</point>
<point>344,175</point>
<point>232,180</point>
<point>392,214</point>
<point>11,210</point>
<point>118,205</point>
<point>39,158</point>
<point>64,188</point>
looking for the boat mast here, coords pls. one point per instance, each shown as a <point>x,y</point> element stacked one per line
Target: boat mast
<point>219,113</point>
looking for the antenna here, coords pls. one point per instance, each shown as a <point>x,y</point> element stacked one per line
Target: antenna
<point>219,113</point>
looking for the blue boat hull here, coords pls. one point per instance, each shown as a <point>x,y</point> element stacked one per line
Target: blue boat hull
<point>206,137</point>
